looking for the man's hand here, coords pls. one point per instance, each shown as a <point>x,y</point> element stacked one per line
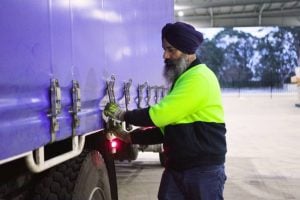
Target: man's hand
<point>113,110</point>
<point>122,135</point>
<point>117,130</point>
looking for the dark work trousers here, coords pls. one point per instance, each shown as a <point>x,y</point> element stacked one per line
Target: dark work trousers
<point>200,183</point>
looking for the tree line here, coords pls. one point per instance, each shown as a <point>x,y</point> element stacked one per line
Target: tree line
<point>240,59</point>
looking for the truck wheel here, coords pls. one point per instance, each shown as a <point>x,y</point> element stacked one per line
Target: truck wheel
<point>133,152</point>
<point>162,158</point>
<point>104,147</point>
<point>82,178</point>
<point>126,152</point>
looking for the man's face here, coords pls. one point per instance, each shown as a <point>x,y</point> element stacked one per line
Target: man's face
<point>175,62</point>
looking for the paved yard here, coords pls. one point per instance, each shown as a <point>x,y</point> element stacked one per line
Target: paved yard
<point>263,148</point>
<point>263,160</point>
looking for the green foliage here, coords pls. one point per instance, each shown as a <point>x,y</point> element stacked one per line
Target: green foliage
<point>211,55</point>
<point>239,58</point>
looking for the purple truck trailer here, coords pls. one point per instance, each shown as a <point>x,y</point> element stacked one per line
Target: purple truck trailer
<point>61,61</point>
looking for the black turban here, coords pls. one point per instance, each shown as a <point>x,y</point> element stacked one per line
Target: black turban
<point>182,36</point>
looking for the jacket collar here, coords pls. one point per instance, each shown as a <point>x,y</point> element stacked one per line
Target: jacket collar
<point>193,64</point>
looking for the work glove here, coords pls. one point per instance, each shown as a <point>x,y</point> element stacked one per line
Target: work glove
<point>113,111</point>
<point>116,130</point>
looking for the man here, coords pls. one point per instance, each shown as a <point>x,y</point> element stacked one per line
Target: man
<point>189,121</point>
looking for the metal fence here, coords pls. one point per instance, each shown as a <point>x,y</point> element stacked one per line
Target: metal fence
<point>271,91</point>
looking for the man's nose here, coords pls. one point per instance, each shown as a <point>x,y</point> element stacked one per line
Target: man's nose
<point>166,55</point>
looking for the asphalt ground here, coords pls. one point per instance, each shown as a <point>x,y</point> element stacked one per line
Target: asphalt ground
<point>263,159</point>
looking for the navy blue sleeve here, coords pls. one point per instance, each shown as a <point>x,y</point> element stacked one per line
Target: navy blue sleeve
<point>139,117</point>
<point>147,136</point>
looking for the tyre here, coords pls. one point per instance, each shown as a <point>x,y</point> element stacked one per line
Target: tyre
<point>82,178</point>
<point>103,145</point>
<point>133,152</point>
<point>162,158</point>
<point>126,152</point>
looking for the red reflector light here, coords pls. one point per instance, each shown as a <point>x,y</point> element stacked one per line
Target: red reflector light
<point>114,144</point>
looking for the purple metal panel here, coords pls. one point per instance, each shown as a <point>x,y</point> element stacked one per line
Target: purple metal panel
<point>61,60</point>
<point>25,75</point>
<point>120,38</point>
<point>87,41</point>
<point>88,56</point>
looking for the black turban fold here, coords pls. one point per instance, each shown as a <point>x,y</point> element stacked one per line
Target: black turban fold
<point>182,36</point>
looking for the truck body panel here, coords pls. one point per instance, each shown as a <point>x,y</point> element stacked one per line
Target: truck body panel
<point>84,41</point>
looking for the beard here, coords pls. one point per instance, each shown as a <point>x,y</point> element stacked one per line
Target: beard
<point>174,68</point>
